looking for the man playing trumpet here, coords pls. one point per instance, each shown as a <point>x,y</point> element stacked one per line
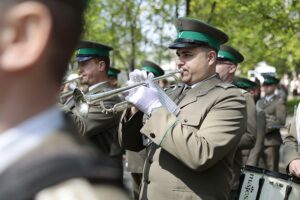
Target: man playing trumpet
<point>100,128</point>
<point>192,136</point>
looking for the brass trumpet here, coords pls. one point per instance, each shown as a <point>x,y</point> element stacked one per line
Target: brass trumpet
<point>82,101</point>
<point>71,80</point>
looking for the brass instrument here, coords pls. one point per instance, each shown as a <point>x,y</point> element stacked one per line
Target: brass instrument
<point>71,80</point>
<point>67,93</point>
<point>82,101</point>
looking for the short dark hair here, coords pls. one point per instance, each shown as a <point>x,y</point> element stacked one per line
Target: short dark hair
<point>67,17</point>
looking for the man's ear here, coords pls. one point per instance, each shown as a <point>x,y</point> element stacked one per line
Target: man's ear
<point>212,57</point>
<point>102,66</point>
<point>233,68</point>
<point>24,35</point>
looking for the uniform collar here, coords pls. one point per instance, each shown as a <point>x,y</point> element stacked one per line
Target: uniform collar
<point>98,85</point>
<point>268,98</point>
<point>202,82</point>
<point>200,89</point>
<point>17,141</point>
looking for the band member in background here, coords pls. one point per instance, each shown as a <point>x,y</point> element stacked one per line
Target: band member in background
<point>227,63</point>
<point>275,113</point>
<point>193,134</point>
<point>41,153</point>
<point>99,127</point>
<point>113,77</point>
<point>136,160</point>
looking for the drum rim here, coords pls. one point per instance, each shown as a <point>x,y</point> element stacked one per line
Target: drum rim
<point>277,174</point>
<point>254,169</point>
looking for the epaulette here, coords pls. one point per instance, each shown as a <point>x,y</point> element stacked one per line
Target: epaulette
<point>226,85</point>
<point>243,91</point>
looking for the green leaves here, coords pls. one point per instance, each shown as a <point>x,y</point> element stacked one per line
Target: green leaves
<point>139,29</point>
<point>261,30</point>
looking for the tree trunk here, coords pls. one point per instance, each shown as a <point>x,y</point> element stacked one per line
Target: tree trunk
<point>187,7</point>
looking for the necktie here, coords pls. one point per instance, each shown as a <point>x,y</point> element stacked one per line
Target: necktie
<point>186,88</point>
<point>182,94</point>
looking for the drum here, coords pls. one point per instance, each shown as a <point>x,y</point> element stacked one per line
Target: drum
<point>262,184</point>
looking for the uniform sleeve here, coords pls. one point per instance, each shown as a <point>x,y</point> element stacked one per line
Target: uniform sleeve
<point>96,120</point>
<point>291,149</point>
<point>276,119</point>
<point>200,141</point>
<point>130,137</point>
<point>249,137</point>
<point>259,143</point>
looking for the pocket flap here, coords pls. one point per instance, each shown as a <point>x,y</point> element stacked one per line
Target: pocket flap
<point>190,119</point>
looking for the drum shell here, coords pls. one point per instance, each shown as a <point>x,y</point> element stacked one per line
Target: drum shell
<point>274,186</point>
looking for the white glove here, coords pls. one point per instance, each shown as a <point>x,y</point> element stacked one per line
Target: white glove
<point>145,98</point>
<point>138,76</point>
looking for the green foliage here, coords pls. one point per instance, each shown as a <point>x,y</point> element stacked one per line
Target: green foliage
<point>143,29</point>
<point>261,30</point>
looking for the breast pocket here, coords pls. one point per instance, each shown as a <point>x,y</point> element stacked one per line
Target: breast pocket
<point>190,119</point>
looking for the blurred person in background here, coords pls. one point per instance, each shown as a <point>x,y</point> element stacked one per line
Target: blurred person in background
<point>113,77</point>
<point>275,113</point>
<point>135,160</point>
<point>42,156</point>
<point>227,63</point>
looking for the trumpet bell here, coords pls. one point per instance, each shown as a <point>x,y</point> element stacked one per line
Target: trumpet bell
<point>81,105</point>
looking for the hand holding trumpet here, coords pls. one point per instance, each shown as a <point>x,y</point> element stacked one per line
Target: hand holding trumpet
<point>145,98</point>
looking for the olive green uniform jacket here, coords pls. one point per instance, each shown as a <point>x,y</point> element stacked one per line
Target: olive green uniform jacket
<point>63,166</point>
<point>190,155</point>
<point>291,149</point>
<point>275,112</point>
<point>247,141</point>
<point>257,150</point>
<point>100,128</point>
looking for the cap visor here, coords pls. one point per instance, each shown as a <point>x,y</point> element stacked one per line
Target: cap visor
<point>180,45</point>
<point>82,59</point>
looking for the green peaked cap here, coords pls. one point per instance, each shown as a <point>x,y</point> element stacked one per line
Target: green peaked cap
<point>227,52</point>
<point>88,49</point>
<point>193,33</point>
<point>244,83</point>
<point>270,80</point>
<point>113,72</point>
<point>152,67</point>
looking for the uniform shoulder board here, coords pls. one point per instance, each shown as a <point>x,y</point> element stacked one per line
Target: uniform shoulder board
<point>243,91</point>
<point>226,85</point>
